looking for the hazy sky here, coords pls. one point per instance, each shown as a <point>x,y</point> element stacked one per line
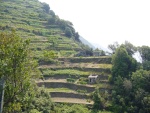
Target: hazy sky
<point>107,21</point>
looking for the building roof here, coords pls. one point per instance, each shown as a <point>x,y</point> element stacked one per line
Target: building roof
<point>93,76</point>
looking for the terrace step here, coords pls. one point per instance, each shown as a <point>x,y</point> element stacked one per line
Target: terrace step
<point>52,84</point>
<point>87,69</point>
<point>75,87</point>
<point>71,100</point>
<point>102,59</point>
<point>68,95</point>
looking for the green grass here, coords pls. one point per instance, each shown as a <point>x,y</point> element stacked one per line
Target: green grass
<point>105,86</point>
<point>71,72</point>
<point>59,90</point>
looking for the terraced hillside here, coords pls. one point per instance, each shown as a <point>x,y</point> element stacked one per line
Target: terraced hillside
<point>54,44</point>
<point>68,80</point>
<point>36,21</point>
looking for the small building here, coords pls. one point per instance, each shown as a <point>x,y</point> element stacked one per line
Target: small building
<point>93,79</point>
<point>98,52</point>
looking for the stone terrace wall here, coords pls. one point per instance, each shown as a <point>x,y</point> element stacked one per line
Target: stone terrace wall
<point>105,60</point>
<point>66,85</point>
<point>67,95</point>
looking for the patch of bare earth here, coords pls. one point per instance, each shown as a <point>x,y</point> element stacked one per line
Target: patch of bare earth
<point>52,80</point>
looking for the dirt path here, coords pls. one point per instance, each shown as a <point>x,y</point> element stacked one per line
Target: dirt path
<point>71,100</point>
<point>52,80</point>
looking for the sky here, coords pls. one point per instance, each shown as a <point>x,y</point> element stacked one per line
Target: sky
<point>104,22</point>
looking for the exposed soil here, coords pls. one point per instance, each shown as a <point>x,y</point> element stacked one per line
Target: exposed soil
<point>82,65</point>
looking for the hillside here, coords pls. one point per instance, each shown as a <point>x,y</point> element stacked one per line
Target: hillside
<point>36,21</point>
<point>65,63</point>
<point>68,81</point>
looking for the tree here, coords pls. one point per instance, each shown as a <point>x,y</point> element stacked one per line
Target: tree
<point>145,53</point>
<point>113,47</point>
<point>68,32</point>
<point>98,100</point>
<point>123,64</point>
<point>51,21</point>
<point>16,68</point>
<point>132,95</point>
<point>131,49</point>
<point>77,37</point>
<point>146,65</point>
<point>46,7</point>
<point>52,13</point>
<point>48,55</point>
<point>41,102</point>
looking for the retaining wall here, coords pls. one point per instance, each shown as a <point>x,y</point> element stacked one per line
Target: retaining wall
<point>66,85</point>
<point>67,95</point>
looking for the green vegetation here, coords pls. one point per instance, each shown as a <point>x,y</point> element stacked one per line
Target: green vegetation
<point>62,58</point>
<point>68,108</point>
<point>18,72</point>
<point>54,43</point>
<point>71,80</point>
<point>69,72</point>
<point>123,64</point>
<point>38,22</point>
<point>83,80</point>
<point>130,92</point>
<point>59,90</point>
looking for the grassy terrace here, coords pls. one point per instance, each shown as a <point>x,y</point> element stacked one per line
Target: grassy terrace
<point>78,70</point>
<point>102,59</point>
<point>59,90</point>
<point>70,72</point>
<point>80,65</point>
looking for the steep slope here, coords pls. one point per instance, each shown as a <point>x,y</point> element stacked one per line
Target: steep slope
<point>34,20</point>
<point>54,43</point>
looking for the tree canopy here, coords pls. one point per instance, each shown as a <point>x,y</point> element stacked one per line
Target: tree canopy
<point>19,72</point>
<point>123,64</point>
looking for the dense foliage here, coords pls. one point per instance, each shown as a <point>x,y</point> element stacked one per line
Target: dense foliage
<point>16,68</point>
<point>131,92</point>
<point>76,108</point>
<point>123,64</point>
<point>132,95</point>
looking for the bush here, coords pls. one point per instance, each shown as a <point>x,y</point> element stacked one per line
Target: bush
<point>71,80</point>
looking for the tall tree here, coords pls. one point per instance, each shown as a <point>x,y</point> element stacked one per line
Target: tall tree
<point>130,48</point>
<point>16,68</point>
<point>123,64</point>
